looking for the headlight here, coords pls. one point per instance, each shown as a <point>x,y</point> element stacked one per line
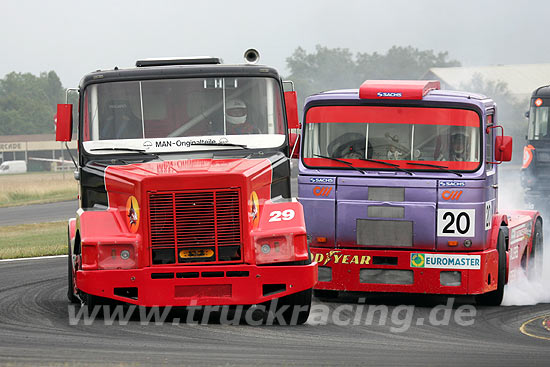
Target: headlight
<point>279,248</point>
<point>274,249</point>
<point>124,254</point>
<point>117,256</point>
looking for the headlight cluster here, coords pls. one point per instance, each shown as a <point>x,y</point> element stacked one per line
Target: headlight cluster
<point>280,248</point>
<point>116,256</point>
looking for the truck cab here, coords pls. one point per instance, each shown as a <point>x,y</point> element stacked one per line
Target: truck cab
<point>184,180</point>
<point>399,183</point>
<point>535,170</point>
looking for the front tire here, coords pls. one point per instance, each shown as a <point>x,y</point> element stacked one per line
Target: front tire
<point>494,298</point>
<point>70,282</point>
<point>299,306</point>
<point>325,294</point>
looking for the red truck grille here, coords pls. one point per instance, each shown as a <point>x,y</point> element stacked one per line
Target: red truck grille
<point>195,226</point>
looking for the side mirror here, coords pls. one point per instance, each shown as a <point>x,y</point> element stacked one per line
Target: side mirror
<point>294,140</point>
<point>291,104</point>
<point>526,114</point>
<point>503,148</point>
<point>64,122</point>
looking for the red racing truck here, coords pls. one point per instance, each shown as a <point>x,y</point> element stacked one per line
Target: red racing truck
<point>399,183</point>
<point>184,188</point>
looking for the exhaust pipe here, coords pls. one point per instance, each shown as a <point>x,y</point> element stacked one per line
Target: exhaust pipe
<point>251,56</point>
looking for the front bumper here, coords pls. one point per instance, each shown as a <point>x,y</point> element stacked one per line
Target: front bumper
<point>198,285</point>
<point>394,271</point>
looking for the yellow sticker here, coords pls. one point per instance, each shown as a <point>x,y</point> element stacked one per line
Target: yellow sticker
<point>254,209</point>
<point>196,253</point>
<point>132,214</point>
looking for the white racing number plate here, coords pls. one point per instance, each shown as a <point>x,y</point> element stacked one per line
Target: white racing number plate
<point>456,222</point>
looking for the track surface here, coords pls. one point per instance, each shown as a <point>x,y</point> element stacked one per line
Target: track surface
<point>38,213</point>
<point>35,330</point>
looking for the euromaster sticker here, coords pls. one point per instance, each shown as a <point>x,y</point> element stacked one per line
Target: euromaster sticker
<point>442,261</point>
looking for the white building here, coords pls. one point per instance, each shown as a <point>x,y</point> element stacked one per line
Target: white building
<point>521,79</point>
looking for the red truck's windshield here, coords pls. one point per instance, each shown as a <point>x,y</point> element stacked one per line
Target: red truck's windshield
<point>183,114</point>
<point>401,136</point>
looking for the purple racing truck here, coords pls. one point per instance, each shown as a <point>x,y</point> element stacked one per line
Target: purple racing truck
<point>399,183</point>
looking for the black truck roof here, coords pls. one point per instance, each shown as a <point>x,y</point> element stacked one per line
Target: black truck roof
<point>543,91</point>
<point>170,71</point>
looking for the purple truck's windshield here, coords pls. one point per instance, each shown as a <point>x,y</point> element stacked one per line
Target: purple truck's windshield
<point>404,136</point>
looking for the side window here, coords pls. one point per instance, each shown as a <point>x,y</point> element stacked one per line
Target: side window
<point>489,143</point>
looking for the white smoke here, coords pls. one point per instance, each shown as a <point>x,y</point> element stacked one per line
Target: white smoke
<point>522,291</point>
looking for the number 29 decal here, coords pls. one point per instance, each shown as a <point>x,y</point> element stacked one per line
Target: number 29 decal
<point>456,222</point>
<point>277,215</point>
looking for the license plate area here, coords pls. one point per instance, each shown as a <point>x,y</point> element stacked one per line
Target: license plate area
<point>395,233</point>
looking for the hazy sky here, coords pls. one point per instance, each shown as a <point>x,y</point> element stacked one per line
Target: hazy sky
<point>74,37</point>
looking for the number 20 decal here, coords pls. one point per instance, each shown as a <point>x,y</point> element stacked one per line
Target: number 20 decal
<point>456,222</point>
<point>277,215</point>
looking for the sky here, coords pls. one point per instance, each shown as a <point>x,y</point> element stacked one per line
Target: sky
<point>74,37</point>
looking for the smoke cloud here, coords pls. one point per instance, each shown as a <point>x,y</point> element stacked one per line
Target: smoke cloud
<point>522,291</point>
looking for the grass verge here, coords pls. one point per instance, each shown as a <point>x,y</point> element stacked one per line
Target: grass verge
<point>29,240</point>
<point>37,188</point>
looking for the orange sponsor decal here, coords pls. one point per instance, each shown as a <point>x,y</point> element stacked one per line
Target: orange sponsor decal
<point>132,214</point>
<point>527,155</point>
<point>451,194</point>
<point>322,190</point>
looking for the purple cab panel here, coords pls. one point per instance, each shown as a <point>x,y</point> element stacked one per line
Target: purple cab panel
<point>378,212</point>
<point>465,212</point>
<point>414,213</point>
<point>318,197</point>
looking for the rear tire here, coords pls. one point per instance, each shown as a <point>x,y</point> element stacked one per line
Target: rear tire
<point>494,298</point>
<point>536,256</point>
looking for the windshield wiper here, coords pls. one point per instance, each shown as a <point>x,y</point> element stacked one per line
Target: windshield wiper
<point>223,144</point>
<point>341,161</point>
<point>121,149</point>
<point>443,168</point>
<point>118,149</point>
<point>387,164</point>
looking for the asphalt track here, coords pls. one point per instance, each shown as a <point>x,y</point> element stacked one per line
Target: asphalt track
<point>36,329</point>
<point>39,213</point>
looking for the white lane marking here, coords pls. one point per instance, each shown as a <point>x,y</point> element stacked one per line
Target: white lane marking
<point>33,258</point>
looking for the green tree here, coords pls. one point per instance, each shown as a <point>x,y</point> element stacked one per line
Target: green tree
<point>28,103</point>
<point>338,68</point>
<point>510,109</point>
